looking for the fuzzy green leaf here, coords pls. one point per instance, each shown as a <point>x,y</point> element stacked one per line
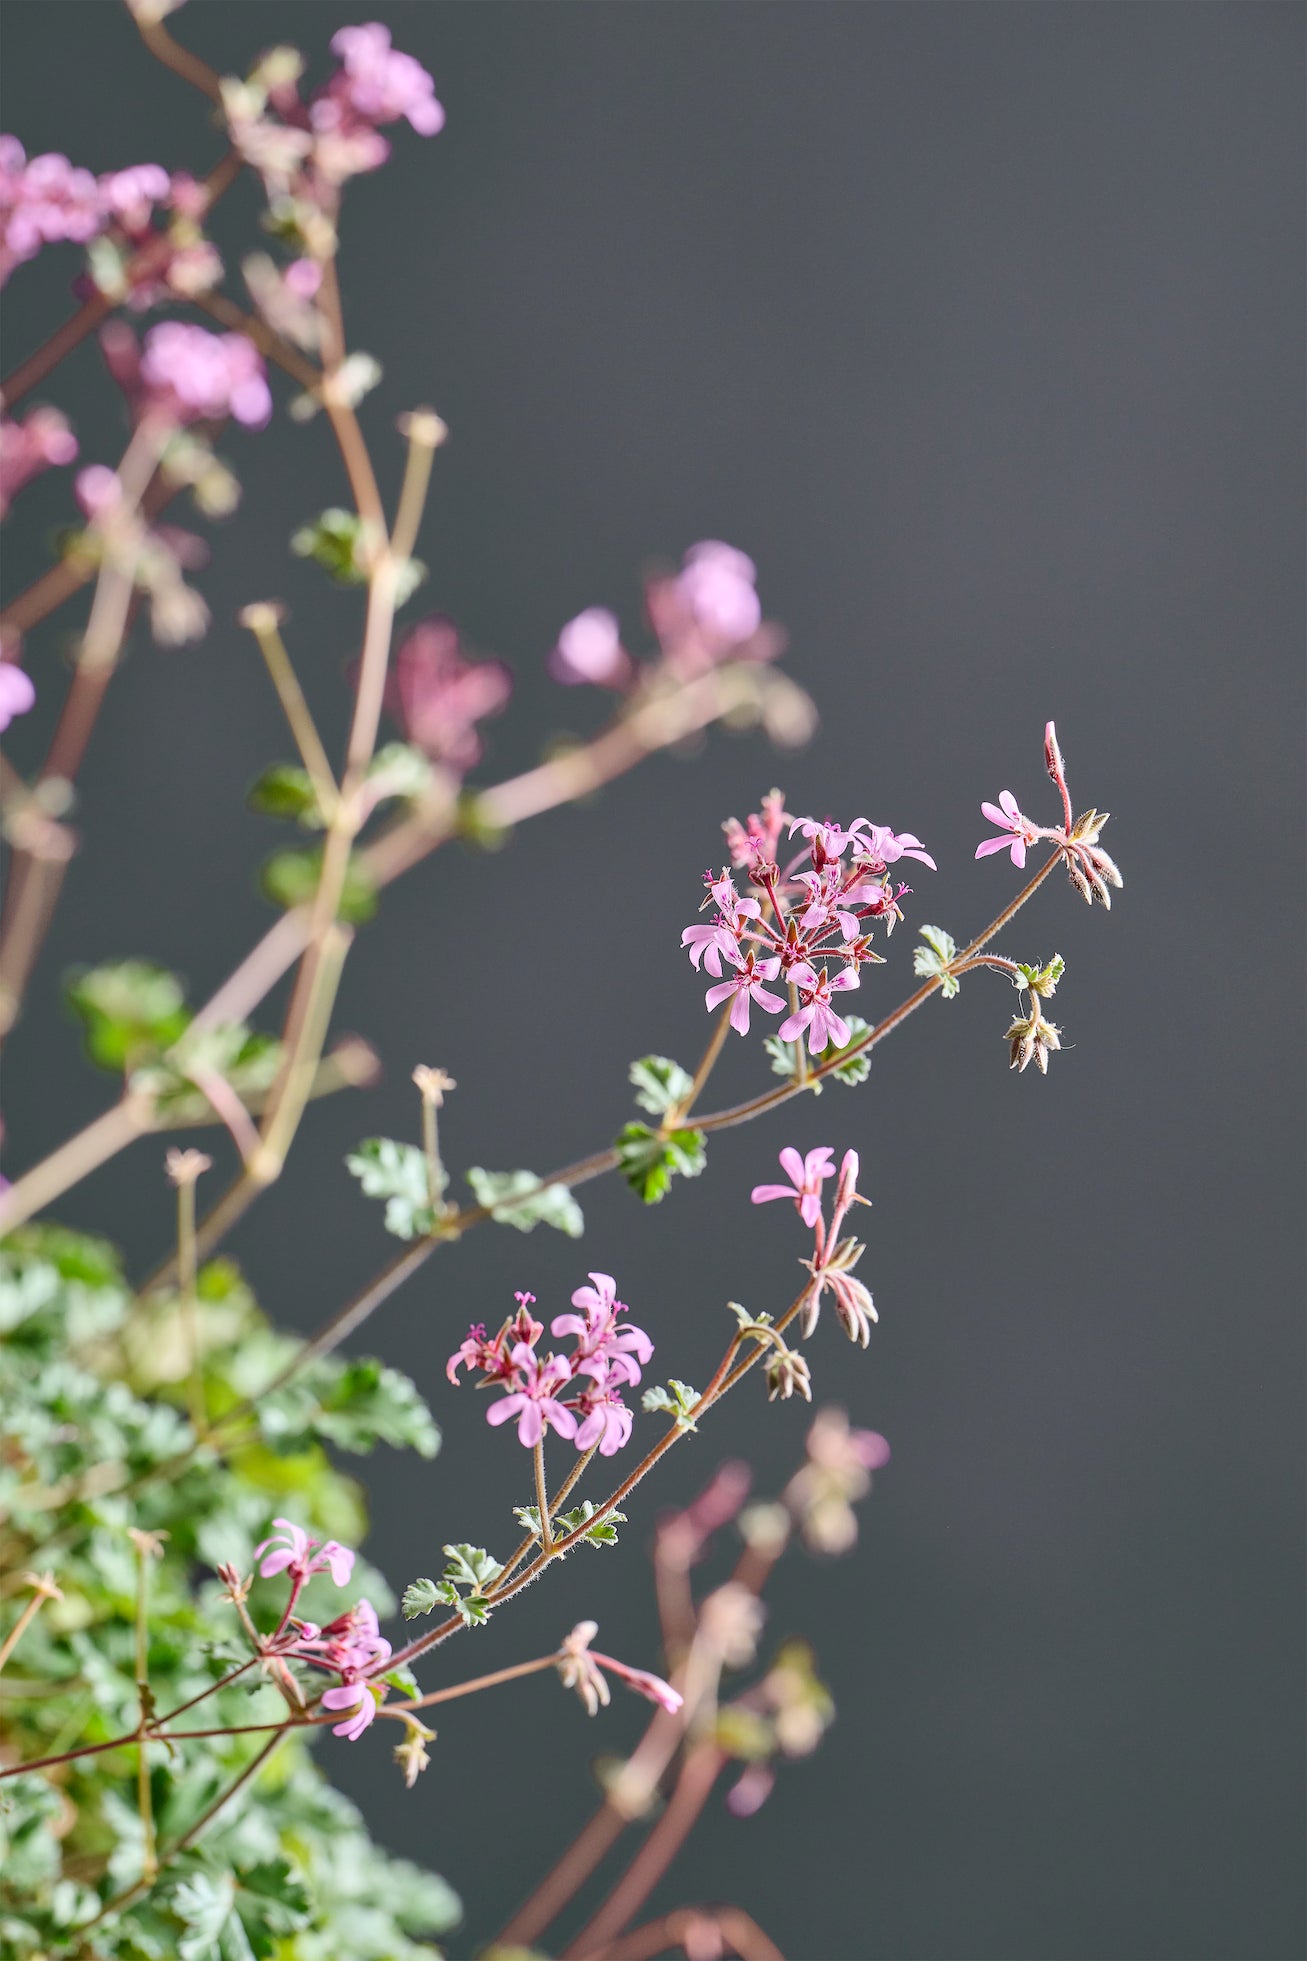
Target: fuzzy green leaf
<point>512,1198</point>
<point>650,1161</point>
<point>420,1597</point>
<point>678,1399</point>
<point>290,878</point>
<point>931,961</point>
<point>660,1084</point>
<point>287,791</point>
<point>130,1011</point>
<point>398,1173</point>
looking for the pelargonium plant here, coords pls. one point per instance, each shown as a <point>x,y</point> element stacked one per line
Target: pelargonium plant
<point>184,1608</point>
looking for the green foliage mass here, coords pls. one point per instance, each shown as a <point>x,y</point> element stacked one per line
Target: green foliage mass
<point>97,1441</point>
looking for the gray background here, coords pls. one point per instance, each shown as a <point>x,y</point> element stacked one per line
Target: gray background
<point>979,327</point>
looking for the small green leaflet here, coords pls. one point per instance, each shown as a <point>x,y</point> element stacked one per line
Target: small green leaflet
<point>290,878</point>
<point>469,1572</point>
<point>678,1399</point>
<point>931,961</point>
<point>398,1173</point>
<point>650,1161</point>
<point>287,791</point>
<point>660,1084</point>
<point>565,1523</point>
<point>516,1198</point>
<point>130,1010</point>
<point>1041,980</point>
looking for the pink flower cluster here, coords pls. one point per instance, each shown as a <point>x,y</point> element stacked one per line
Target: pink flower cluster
<point>335,134</point>
<point>47,200</point>
<point>833,1258</point>
<point>351,1646</point>
<point>578,1395</point>
<point>438,696</point>
<point>707,612</point>
<point>800,918</point>
<point>378,84</point>
<point>26,448</point>
<point>190,375</point>
<point>17,695</point>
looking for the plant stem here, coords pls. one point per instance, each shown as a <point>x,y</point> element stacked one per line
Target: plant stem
<point>24,1621</point>
<point>262,623</point>
<point>699,1773</point>
<point>542,1499</point>
<point>186,1275</point>
<point>707,1063</point>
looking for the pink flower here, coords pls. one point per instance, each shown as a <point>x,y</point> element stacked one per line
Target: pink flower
<point>886,847</point>
<point>806,1175</point>
<point>357,1696</point>
<point>605,1420</point>
<point>609,1349</point>
<point>755,841</point>
<point>716,587</point>
<point>590,649</point>
<point>43,202</point>
<point>17,695</point>
<point>817,1014</point>
<point>747,986</point>
<point>379,84</point>
<point>532,1397</point>
<point>27,448</point>
<point>709,943</point>
<point>1007,815</point>
<point>351,1645</point>
<point>494,1357</point>
<point>439,697</point>
<point>192,374</point>
<point>294,1552</point>
<point>130,195</point>
<point>97,490</point>
<point>580,1669</point>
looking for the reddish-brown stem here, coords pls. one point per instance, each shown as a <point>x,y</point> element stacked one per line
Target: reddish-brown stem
<point>700,1771</point>
<point>182,62</point>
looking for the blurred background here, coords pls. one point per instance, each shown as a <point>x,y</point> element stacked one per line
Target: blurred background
<point>979,328</point>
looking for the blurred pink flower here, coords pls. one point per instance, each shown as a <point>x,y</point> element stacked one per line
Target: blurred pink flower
<point>716,586</point>
<point>590,649</point>
<point>191,373</point>
<point>17,694</point>
<point>380,84</point>
<point>26,448</point>
<point>438,696</point>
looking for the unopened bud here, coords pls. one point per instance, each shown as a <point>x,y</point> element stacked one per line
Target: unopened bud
<point>185,1167</point>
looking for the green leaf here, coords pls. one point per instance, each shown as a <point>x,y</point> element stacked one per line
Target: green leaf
<point>335,540</point>
<point>287,791</point>
<point>369,1404</point>
<point>1041,980</point>
<point>931,961</point>
<point>130,1010</point>
<point>420,1597</point>
<point>471,1566</point>
<point>398,1173</point>
<point>565,1523</point>
<point>203,1902</point>
<point>512,1199</point>
<point>649,1161</point>
<point>678,1399</point>
<point>400,770</point>
<point>660,1083</point>
<point>290,878</point>
<point>332,540</point>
